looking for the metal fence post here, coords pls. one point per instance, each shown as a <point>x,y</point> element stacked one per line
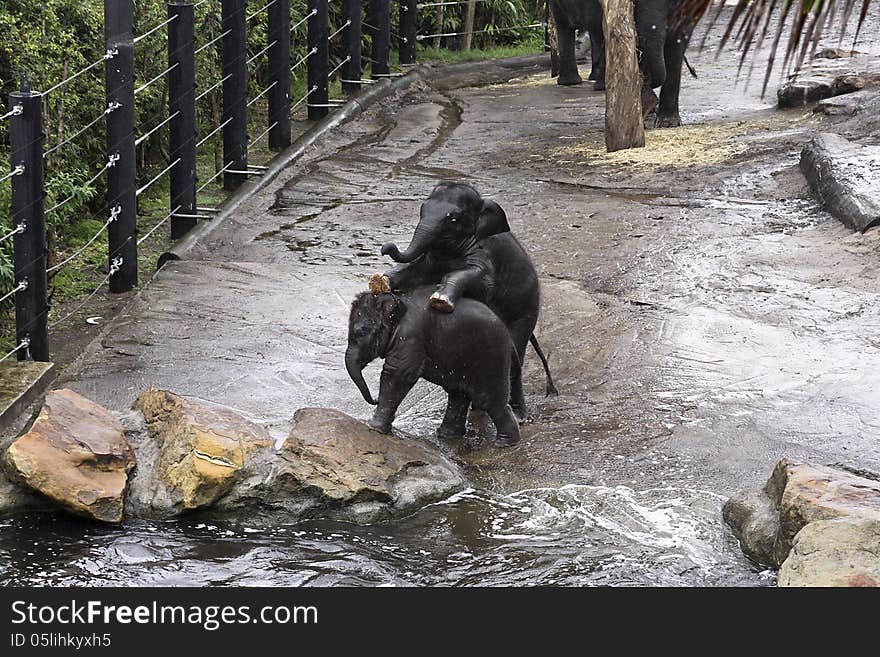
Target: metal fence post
<point>351,46</point>
<point>122,170</point>
<point>409,25</point>
<point>31,305</point>
<point>279,75</point>
<point>380,46</point>
<point>319,63</point>
<point>182,110</point>
<point>235,89</point>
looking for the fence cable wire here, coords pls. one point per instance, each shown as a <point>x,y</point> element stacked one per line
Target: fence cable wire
<point>110,54</point>
<point>262,134</point>
<point>260,10</point>
<point>313,12</point>
<point>261,94</point>
<point>262,52</point>
<point>304,98</point>
<point>214,131</point>
<point>110,163</point>
<point>24,344</point>
<point>156,227</point>
<point>15,111</point>
<point>143,36</point>
<point>115,265</point>
<point>147,135</point>
<point>302,61</point>
<point>212,41</point>
<point>157,78</point>
<point>114,213</point>
<point>112,107</point>
<point>212,87</point>
<point>20,228</point>
<point>215,176</point>
<point>345,25</point>
<point>17,171</point>
<point>22,285</point>
<point>421,5</point>
<point>159,175</point>
<point>339,66</point>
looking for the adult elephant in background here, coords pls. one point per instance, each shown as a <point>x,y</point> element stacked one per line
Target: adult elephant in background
<point>463,244</point>
<point>662,42</point>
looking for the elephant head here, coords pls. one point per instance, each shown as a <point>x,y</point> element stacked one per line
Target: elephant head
<point>452,221</point>
<point>371,324</point>
<point>652,18</point>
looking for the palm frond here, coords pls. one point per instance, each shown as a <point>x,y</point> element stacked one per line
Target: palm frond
<point>751,21</point>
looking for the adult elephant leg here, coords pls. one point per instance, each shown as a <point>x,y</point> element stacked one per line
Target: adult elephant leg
<point>597,44</point>
<point>394,385</point>
<point>568,72</point>
<point>506,426</point>
<point>520,332</point>
<point>454,423</point>
<point>667,111</point>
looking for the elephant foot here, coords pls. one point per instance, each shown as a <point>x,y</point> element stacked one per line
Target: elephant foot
<point>450,433</point>
<point>379,427</point>
<point>520,413</point>
<point>441,302</point>
<point>505,440</point>
<point>599,85</point>
<point>569,80</point>
<point>379,284</point>
<point>668,120</point>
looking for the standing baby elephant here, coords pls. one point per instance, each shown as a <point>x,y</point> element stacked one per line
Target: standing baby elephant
<point>417,342</point>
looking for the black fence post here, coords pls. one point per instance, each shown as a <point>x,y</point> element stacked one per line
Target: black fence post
<point>182,110</point>
<point>279,75</point>
<point>122,169</point>
<point>26,150</point>
<point>380,32</point>
<point>319,62</point>
<point>351,46</point>
<point>235,89</point>
<point>409,25</point>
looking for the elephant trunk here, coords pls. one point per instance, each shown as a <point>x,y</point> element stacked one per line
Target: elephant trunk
<point>420,243</point>
<point>355,371</point>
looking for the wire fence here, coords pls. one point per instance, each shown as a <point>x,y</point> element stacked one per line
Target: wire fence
<point>253,87</point>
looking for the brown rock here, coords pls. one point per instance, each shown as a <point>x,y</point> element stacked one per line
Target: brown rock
<point>203,449</point>
<point>351,472</point>
<point>839,552</point>
<point>755,522</point>
<point>75,454</point>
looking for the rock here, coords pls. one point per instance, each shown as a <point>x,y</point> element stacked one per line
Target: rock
<point>75,454</point>
<point>195,454</point>
<point>850,104</point>
<point>798,93</point>
<point>804,493</point>
<point>843,175</point>
<point>14,497</point>
<point>755,522</point>
<point>839,552</point>
<point>333,465</point>
<point>797,495</point>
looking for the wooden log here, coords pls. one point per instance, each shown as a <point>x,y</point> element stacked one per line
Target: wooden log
<point>624,125</point>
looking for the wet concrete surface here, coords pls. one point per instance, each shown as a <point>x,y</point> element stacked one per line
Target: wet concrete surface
<point>702,320</point>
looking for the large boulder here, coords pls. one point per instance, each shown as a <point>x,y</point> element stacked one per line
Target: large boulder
<point>843,174</point>
<point>195,454</point>
<point>332,465</point>
<point>839,552</point>
<point>75,454</point>
<point>768,523</point>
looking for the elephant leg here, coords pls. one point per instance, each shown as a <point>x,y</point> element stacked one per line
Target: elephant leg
<point>394,385</point>
<point>454,423</point>
<point>403,277</point>
<point>568,72</point>
<point>667,112</point>
<point>520,332</point>
<point>506,426</point>
<point>454,286</point>
<point>597,58</point>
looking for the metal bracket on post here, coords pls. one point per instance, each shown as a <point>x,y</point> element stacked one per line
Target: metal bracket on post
<point>409,19</point>
<point>182,110</point>
<point>279,75</point>
<point>351,46</point>
<point>380,46</point>
<point>235,89</point>
<point>319,63</point>
<point>122,175</point>
<point>29,246</point>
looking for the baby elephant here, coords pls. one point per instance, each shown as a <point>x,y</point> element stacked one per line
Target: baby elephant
<point>468,353</point>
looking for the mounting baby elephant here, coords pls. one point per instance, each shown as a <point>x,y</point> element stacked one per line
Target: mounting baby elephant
<point>418,342</point>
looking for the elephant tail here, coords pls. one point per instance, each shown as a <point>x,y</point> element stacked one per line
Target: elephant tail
<point>692,70</point>
<point>551,389</point>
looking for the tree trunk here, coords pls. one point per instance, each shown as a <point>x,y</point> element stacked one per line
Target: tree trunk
<point>469,24</point>
<point>552,42</point>
<point>624,124</point>
<point>439,26</point>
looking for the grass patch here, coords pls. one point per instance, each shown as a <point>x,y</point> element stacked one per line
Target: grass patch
<point>531,46</point>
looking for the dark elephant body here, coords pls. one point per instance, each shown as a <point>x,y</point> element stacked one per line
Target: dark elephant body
<point>463,244</point>
<point>662,42</point>
<point>417,342</point>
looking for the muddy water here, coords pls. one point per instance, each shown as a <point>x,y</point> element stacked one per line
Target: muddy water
<point>702,316</point>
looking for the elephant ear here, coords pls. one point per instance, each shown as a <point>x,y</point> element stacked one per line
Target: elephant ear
<point>492,221</point>
<point>392,309</point>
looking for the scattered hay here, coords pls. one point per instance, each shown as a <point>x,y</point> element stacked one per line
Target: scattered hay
<point>689,145</point>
